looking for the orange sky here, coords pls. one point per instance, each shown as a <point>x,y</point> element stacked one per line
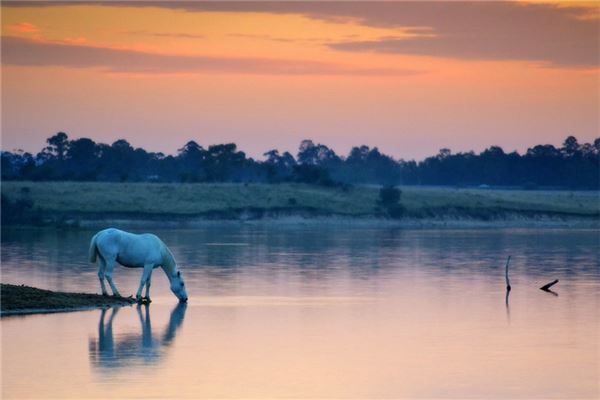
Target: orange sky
<point>409,78</point>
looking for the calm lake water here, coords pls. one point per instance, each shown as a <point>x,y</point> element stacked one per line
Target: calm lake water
<point>316,312</point>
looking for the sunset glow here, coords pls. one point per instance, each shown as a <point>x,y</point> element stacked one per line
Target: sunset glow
<point>409,78</point>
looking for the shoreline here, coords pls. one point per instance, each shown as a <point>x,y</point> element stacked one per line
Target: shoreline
<point>27,300</point>
<point>127,220</point>
<point>357,222</point>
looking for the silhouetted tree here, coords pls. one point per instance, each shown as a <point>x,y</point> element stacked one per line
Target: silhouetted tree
<point>193,158</point>
<point>279,167</point>
<point>81,159</point>
<point>311,154</point>
<point>573,165</point>
<point>58,145</point>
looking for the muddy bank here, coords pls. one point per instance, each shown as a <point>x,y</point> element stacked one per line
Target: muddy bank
<point>21,299</point>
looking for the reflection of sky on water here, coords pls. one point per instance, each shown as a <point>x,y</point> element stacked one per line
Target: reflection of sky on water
<point>333,312</point>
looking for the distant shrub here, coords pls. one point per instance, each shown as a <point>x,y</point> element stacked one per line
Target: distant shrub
<point>389,199</point>
<point>389,196</point>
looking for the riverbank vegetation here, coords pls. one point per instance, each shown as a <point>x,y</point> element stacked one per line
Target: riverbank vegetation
<point>102,200</point>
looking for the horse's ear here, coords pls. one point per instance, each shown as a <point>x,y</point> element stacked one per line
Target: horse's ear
<point>178,273</point>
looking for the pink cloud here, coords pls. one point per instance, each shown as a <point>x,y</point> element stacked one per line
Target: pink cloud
<point>75,40</point>
<point>26,52</point>
<point>24,27</point>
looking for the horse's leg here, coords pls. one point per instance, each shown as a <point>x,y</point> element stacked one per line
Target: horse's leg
<point>148,282</point>
<point>147,272</point>
<point>101,269</point>
<point>110,266</point>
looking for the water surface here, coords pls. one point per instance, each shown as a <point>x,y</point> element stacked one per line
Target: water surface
<point>316,312</point>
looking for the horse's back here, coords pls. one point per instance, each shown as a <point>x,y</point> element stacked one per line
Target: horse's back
<point>118,236</point>
<point>109,239</point>
<point>130,249</point>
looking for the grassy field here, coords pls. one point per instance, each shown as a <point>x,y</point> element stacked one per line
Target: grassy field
<point>202,199</point>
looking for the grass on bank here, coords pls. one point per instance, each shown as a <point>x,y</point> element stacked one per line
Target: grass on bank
<point>14,298</point>
<point>203,198</point>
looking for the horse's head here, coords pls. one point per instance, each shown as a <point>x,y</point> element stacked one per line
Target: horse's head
<point>178,287</point>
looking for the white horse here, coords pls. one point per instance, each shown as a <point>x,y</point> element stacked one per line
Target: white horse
<point>134,251</point>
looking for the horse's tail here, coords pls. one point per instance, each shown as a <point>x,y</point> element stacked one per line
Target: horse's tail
<point>93,249</point>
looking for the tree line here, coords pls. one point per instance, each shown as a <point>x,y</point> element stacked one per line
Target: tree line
<point>573,165</point>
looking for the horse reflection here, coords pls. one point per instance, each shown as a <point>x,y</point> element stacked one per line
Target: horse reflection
<point>128,349</point>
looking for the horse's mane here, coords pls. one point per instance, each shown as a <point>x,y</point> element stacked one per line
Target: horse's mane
<point>169,264</point>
